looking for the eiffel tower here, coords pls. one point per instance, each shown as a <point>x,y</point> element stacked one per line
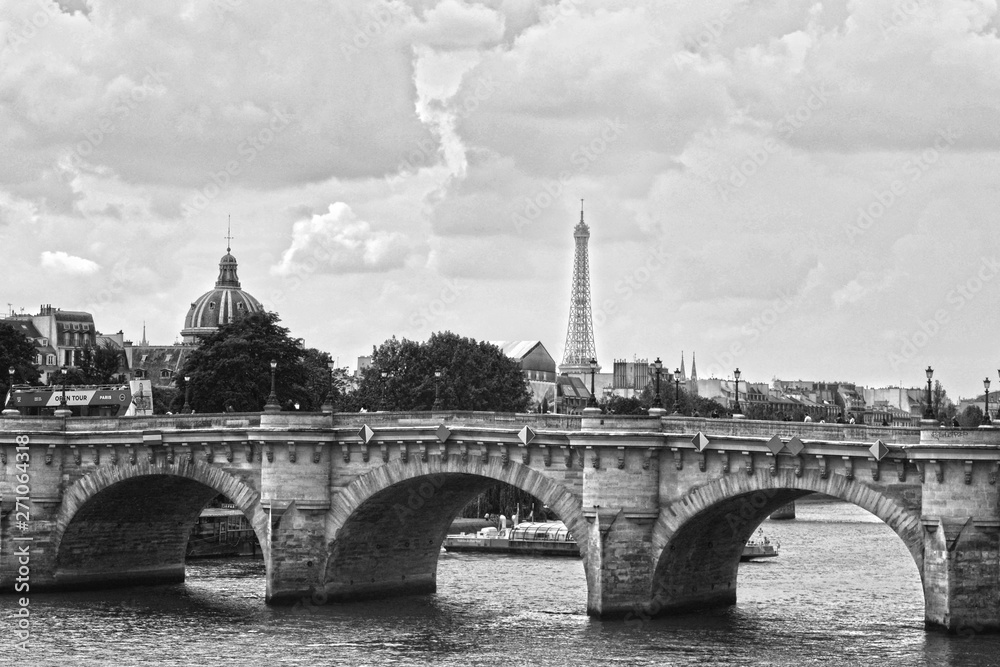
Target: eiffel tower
<point>580,347</point>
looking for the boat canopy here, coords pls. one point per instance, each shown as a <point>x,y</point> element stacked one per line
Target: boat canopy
<point>549,530</point>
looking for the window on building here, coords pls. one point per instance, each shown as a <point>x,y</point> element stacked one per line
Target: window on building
<point>140,374</point>
<point>165,373</point>
<point>50,360</point>
<point>211,305</point>
<point>239,306</point>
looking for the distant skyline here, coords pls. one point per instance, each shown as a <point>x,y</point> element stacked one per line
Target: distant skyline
<point>802,190</point>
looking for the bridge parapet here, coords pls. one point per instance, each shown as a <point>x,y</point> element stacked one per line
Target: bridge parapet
<point>748,428</point>
<point>121,424</point>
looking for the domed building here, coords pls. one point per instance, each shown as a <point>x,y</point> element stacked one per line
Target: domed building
<point>222,305</point>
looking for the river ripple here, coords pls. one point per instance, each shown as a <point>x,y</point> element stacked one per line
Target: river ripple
<point>844,591</point>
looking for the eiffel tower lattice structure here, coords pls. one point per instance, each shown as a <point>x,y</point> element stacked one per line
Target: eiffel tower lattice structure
<point>580,348</point>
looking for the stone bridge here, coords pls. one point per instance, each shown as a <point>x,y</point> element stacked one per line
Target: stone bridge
<point>349,506</point>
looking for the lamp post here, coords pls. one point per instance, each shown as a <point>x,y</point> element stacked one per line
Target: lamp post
<point>592,401</point>
<point>677,391</point>
<point>657,369</point>
<point>62,410</point>
<point>986,412</point>
<point>736,404</point>
<point>437,391</point>
<point>9,409</point>
<point>929,411</point>
<point>272,404</point>
<point>328,406</point>
<point>186,410</point>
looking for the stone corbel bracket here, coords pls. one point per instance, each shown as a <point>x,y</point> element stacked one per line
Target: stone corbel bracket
<point>113,454</point>
<point>724,454</point>
<point>404,453</point>
<point>229,452</point>
<point>748,462</point>
<point>170,455</point>
<point>678,458</point>
<point>800,464</point>
<point>422,449</point>
<point>968,472</point>
<point>873,463</point>
<point>97,454</point>
<point>384,447</point>
<point>463,448</point>
<point>269,453</point>
<point>595,457</point>
<point>484,452</point>
<point>772,464</point>
<point>318,452</point>
<point>621,458</point>
<point>703,461</point>
<point>547,455</point>
<point>525,454</point>
<point>248,448</point>
<point>901,470</point>
<point>567,455</point>
<point>651,453</point>
<point>504,453</point>
<point>824,471</point>
<point>209,452</point>
<point>50,454</point>
<point>848,467</point>
<point>993,472</point>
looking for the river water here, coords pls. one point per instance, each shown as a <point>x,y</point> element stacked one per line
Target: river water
<point>843,591</point>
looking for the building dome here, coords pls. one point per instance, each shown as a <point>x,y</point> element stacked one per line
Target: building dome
<point>222,305</point>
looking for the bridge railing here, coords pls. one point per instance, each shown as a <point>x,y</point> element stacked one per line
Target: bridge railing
<point>151,423</point>
<point>749,428</point>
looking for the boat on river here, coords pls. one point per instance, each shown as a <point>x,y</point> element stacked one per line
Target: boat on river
<point>552,538</point>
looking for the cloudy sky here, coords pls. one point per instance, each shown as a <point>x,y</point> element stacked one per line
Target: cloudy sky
<point>800,189</point>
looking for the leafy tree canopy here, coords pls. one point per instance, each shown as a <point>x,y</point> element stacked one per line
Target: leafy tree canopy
<point>16,351</point>
<point>231,368</point>
<point>474,376</point>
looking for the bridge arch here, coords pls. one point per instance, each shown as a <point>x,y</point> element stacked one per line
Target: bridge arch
<point>700,537</point>
<point>129,524</point>
<point>388,525</point>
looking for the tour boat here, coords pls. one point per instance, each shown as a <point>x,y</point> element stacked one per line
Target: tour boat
<point>221,531</point>
<point>552,538</point>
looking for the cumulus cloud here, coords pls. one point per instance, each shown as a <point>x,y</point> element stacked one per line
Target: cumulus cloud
<point>338,242</point>
<point>65,263</point>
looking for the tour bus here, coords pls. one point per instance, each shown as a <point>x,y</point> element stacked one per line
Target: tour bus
<point>133,398</point>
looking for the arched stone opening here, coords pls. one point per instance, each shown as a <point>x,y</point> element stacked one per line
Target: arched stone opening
<point>701,537</point>
<point>129,525</point>
<point>390,524</point>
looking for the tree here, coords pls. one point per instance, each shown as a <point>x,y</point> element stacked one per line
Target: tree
<point>98,365</point>
<point>17,352</point>
<point>972,416</point>
<point>473,376</point>
<point>231,368</point>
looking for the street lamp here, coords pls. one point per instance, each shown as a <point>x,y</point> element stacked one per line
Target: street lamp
<point>10,410</point>
<point>437,392</point>
<point>657,368</point>
<point>592,402</point>
<point>328,406</point>
<point>186,410</point>
<point>736,405</point>
<point>63,411</point>
<point>677,391</point>
<point>986,412</point>
<point>272,404</point>
<point>929,412</point>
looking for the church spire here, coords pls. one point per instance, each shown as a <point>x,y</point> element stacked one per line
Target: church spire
<point>684,376</point>
<point>694,369</point>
